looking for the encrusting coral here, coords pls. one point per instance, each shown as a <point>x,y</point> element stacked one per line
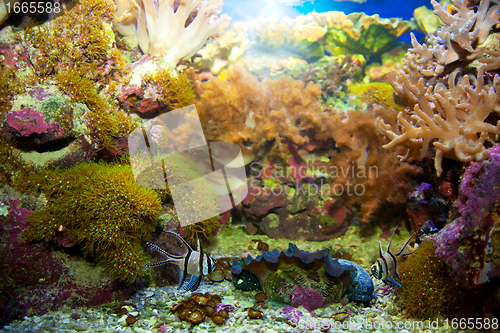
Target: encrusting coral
<point>450,101</point>
<point>173,29</point>
<point>97,207</point>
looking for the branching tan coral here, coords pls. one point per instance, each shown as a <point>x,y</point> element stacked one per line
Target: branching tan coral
<point>451,111</point>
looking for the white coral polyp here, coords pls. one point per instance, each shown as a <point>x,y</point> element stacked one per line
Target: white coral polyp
<point>162,30</point>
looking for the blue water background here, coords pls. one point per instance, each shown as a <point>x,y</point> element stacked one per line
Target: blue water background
<point>244,10</point>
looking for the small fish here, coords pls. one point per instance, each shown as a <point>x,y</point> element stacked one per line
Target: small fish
<point>386,267</point>
<point>195,263</point>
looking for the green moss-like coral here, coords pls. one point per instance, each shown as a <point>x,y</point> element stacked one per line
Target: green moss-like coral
<point>11,163</point>
<point>80,36</point>
<point>428,290</point>
<point>98,207</point>
<point>174,90</point>
<point>106,120</point>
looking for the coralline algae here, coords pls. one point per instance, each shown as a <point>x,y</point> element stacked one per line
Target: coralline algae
<point>298,277</point>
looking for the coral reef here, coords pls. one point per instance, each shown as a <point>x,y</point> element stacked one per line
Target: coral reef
<point>172,29</point>
<point>297,277</point>
<point>376,92</point>
<point>425,204</point>
<point>450,86</point>
<point>219,52</point>
<point>428,292</point>
<point>335,32</point>
<point>159,91</point>
<point>48,127</point>
<point>334,74</point>
<point>106,121</point>
<point>363,173</point>
<point>27,121</point>
<point>98,208</point>
<point>378,71</point>
<point>82,36</point>
<point>11,164</point>
<point>469,243</point>
<point>35,280</point>
<point>279,117</point>
<point>426,21</point>
<point>294,209</point>
<point>247,109</point>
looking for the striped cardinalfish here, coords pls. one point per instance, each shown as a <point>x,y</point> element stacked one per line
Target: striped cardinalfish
<point>195,263</point>
<point>386,267</point>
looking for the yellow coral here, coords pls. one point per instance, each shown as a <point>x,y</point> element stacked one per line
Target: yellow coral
<point>377,92</point>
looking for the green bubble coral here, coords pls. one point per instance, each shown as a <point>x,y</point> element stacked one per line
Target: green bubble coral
<point>99,208</point>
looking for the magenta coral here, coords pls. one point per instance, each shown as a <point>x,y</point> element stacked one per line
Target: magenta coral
<point>470,242</point>
<point>27,121</point>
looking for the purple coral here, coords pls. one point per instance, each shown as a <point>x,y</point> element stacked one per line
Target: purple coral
<point>309,298</point>
<point>468,243</point>
<point>27,121</point>
<point>227,307</point>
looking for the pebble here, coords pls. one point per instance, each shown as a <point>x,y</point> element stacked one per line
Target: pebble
<point>102,319</point>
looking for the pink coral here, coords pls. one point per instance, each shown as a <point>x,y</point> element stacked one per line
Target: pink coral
<point>27,121</point>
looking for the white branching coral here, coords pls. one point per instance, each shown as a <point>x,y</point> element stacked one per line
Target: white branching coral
<point>449,101</point>
<point>174,29</point>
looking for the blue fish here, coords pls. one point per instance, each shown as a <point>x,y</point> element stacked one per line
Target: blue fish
<point>195,263</point>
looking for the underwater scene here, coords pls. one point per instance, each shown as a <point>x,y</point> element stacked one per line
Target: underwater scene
<point>249,166</point>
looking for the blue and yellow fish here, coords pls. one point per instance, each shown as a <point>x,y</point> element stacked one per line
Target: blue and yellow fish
<point>195,263</point>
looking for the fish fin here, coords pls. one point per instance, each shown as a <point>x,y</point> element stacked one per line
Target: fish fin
<point>396,273</point>
<point>182,279</point>
<point>390,242</point>
<point>401,251</point>
<point>393,282</point>
<point>194,283</point>
<point>161,263</point>
<point>198,246</point>
<point>162,251</point>
<point>181,239</point>
<point>380,249</point>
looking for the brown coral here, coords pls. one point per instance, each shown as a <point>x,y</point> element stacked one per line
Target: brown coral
<point>283,110</point>
<point>363,173</point>
<point>242,108</point>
